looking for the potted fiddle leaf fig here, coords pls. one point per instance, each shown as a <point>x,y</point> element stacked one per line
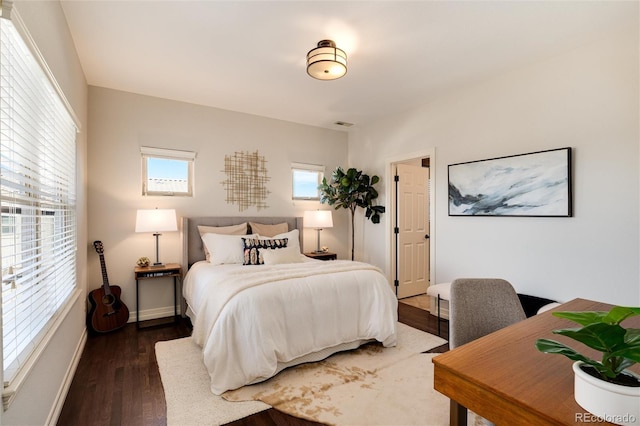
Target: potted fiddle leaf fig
<point>350,190</point>
<point>604,387</point>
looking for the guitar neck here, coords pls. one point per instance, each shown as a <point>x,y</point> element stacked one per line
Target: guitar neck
<point>105,278</point>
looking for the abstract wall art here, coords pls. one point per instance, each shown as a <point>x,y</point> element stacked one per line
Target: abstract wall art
<point>246,180</point>
<point>533,184</point>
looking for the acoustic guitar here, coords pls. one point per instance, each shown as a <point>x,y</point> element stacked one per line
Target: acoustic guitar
<point>107,312</point>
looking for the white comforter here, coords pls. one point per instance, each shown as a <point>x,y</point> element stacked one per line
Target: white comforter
<point>251,319</point>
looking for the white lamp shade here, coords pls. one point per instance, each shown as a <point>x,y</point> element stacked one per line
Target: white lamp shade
<point>318,219</point>
<point>156,220</point>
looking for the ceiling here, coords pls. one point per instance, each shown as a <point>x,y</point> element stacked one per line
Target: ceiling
<point>249,56</point>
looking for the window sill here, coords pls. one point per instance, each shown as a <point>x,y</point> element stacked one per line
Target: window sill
<point>11,389</point>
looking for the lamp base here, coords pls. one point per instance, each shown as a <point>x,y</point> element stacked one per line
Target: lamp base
<point>156,265</point>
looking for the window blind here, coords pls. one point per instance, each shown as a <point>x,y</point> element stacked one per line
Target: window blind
<point>38,201</point>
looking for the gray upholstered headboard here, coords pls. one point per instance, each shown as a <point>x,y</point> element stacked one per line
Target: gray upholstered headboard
<point>192,249</point>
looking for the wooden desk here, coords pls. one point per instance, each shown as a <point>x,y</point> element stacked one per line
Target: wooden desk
<point>505,379</point>
<point>149,273</point>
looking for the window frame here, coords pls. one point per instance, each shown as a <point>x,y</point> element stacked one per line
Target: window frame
<point>32,198</point>
<point>167,154</point>
<point>309,168</point>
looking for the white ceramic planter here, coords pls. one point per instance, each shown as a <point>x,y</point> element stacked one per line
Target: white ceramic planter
<point>613,403</point>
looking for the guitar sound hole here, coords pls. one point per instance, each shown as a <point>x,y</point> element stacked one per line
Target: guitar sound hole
<point>108,299</point>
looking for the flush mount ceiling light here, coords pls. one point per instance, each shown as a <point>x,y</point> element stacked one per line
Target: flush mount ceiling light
<point>326,62</point>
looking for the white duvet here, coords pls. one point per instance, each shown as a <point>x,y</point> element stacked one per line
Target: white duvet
<point>250,320</point>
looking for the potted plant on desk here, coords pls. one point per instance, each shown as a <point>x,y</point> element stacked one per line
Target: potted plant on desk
<point>604,388</point>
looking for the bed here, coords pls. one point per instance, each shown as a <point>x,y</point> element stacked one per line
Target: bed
<point>282,308</point>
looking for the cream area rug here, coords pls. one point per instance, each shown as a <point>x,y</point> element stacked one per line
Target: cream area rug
<point>371,385</point>
<point>186,388</point>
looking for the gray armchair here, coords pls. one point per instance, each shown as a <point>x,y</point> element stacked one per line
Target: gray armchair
<point>480,306</point>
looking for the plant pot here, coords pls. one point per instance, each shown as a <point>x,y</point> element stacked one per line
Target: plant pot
<point>611,402</point>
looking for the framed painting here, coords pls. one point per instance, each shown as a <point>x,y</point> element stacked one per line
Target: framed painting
<point>533,184</point>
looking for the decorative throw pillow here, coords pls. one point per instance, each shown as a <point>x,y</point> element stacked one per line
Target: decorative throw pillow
<point>253,246</point>
<point>268,230</point>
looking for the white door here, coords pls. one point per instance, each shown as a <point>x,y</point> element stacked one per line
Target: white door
<point>413,230</point>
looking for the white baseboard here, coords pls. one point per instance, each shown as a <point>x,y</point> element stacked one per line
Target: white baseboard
<point>149,314</point>
<point>61,396</point>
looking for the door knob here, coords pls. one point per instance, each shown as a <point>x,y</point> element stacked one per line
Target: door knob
<point>426,236</point>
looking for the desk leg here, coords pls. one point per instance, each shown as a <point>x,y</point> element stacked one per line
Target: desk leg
<point>137,307</point>
<point>457,414</point>
<point>175,300</point>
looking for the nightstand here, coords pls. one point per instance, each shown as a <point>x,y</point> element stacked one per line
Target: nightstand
<point>322,256</point>
<point>146,273</point>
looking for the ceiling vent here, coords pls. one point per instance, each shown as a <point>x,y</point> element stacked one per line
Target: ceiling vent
<point>343,124</point>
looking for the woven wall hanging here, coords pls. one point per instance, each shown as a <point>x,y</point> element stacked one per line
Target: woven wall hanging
<point>246,180</point>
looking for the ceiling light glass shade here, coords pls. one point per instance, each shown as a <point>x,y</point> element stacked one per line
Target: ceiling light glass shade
<point>326,62</point>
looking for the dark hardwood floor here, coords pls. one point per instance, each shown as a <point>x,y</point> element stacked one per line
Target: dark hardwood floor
<point>118,383</point>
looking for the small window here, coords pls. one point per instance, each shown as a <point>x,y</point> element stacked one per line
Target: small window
<point>167,172</point>
<point>306,178</point>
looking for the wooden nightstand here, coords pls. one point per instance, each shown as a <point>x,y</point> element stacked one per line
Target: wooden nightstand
<point>322,256</point>
<point>146,273</point>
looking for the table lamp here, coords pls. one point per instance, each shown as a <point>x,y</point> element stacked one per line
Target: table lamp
<point>156,221</point>
<point>318,219</point>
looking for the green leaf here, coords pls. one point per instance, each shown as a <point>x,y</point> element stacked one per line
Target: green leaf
<point>633,336</point>
<point>601,337</point>
<point>582,318</point>
<point>554,347</point>
<point>630,348</point>
<point>617,314</point>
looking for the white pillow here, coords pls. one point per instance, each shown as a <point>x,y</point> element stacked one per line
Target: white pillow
<point>293,236</point>
<point>282,255</point>
<point>225,248</point>
<point>240,229</point>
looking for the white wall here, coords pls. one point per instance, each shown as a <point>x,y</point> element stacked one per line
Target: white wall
<point>42,394</point>
<point>120,123</point>
<point>586,99</point>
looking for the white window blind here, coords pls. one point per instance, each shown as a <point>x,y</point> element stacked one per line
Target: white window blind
<point>38,201</point>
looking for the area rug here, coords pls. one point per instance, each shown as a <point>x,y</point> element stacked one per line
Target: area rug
<point>186,388</point>
<point>372,385</point>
